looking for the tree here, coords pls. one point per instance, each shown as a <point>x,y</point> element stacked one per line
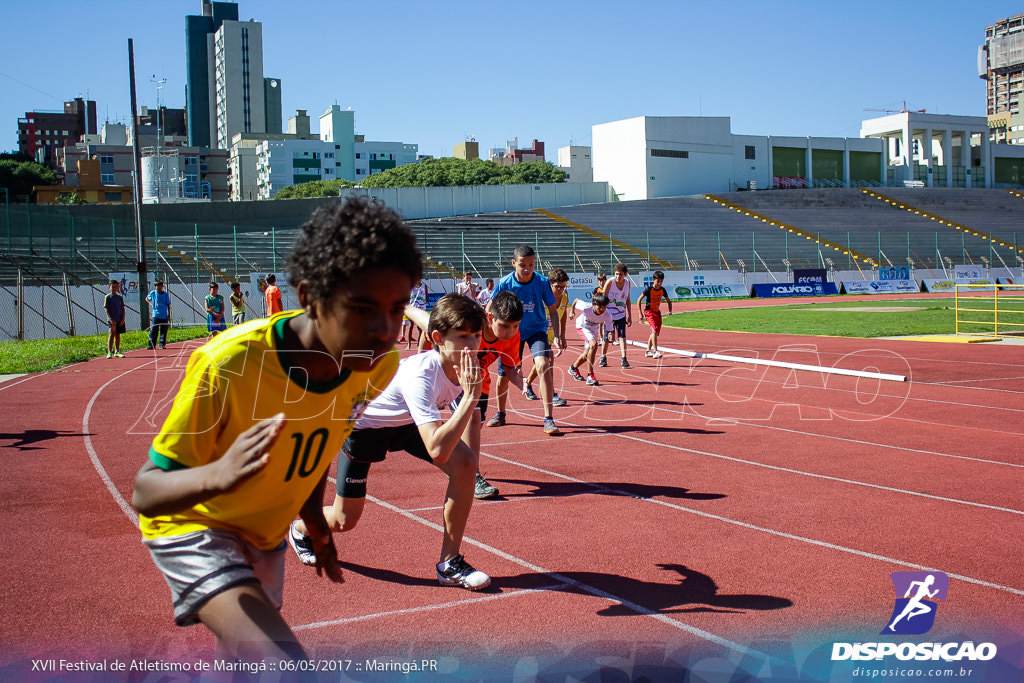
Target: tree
<point>314,188</point>
<point>19,176</point>
<point>70,199</point>
<point>448,171</point>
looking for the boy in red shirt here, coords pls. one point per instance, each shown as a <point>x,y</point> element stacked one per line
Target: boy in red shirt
<point>654,294</point>
<point>273,295</point>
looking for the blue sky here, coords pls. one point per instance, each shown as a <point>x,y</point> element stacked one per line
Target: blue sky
<point>433,72</point>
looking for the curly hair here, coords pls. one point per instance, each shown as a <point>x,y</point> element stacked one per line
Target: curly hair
<point>343,241</point>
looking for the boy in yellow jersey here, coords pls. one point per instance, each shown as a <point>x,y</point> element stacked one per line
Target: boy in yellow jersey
<point>257,421</point>
<point>556,327</point>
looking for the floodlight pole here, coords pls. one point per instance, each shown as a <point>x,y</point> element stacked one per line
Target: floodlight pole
<point>140,240</point>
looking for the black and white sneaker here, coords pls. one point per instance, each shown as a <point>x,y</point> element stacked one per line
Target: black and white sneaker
<point>528,393</point>
<point>484,489</point>
<point>603,363</point>
<point>625,363</point>
<point>557,401</point>
<point>575,374</point>
<point>302,545</point>
<point>458,572</point>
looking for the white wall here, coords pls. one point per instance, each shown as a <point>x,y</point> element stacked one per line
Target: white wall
<point>619,156</point>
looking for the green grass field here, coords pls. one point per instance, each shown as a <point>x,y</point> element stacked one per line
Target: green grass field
<point>40,355</point>
<point>905,317</point>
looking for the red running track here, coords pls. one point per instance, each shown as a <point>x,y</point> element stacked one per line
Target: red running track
<point>695,515</point>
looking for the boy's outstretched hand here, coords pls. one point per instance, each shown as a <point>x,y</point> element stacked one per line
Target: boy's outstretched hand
<point>327,559</point>
<point>248,454</point>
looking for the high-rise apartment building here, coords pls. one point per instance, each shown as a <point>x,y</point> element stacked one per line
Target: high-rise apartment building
<point>226,91</point>
<point>42,133</point>
<point>1001,64</point>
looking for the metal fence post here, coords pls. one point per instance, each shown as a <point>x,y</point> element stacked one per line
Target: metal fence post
<point>71,313</point>
<point>196,227</point>
<point>113,232</point>
<point>21,305</point>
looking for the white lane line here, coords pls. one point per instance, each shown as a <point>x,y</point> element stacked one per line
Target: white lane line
<point>14,384</point>
<point>780,364</point>
<point>712,421</point>
<point>428,608</point>
<point>125,506</point>
<point>814,475</point>
<point>753,527</point>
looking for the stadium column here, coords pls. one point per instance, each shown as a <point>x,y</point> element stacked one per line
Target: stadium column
<point>947,155</point>
<point>809,164</point>
<point>986,158</point>
<point>908,150</point>
<point>846,162</point>
<point>965,155</point>
<point>926,153</point>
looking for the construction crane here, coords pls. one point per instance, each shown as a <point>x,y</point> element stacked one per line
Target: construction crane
<point>904,110</point>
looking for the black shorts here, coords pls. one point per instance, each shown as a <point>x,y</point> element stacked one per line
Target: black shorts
<point>618,331</point>
<point>363,447</point>
<point>481,403</point>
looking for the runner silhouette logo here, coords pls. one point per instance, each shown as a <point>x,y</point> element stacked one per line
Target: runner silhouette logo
<point>917,594</point>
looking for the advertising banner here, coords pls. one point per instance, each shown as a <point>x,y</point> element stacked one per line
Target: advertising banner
<point>581,286</point>
<point>129,285</point>
<point>810,275</point>
<point>698,284</point>
<point>769,289</point>
<point>894,273</point>
<point>934,285</point>
<point>881,287</point>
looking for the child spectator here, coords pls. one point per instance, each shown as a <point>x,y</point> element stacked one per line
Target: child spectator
<point>654,294</point>
<point>215,311</point>
<point>160,311</point>
<point>406,417</point>
<point>237,304</point>
<point>113,304</point>
<point>589,319</point>
<point>273,296</point>
<point>486,293</point>
<point>418,300</point>
<point>467,286</point>
<point>239,457</point>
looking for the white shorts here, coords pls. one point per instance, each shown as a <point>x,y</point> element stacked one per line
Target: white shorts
<point>201,564</point>
<point>587,334</point>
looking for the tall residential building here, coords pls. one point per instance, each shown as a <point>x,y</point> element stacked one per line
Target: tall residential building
<point>227,92</point>
<point>1001,64</point>
<point>197,66</point>
<point>42,133</point>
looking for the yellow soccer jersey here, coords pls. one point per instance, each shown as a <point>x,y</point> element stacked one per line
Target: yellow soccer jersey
<point>562,304</point>
<point>233,382</point>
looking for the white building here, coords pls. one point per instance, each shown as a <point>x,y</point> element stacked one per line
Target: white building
<point>664,156</point>
<point>575,161</point>
<point>242,162</point>
<point>375,156</point>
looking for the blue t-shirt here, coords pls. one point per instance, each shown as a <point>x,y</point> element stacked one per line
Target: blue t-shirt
<point>161,303</point>
<point>536,296</point>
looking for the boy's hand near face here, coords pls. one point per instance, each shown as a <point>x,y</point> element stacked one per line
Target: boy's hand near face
<point>468,372</point>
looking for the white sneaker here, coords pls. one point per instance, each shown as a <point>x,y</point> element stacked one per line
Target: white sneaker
<point>302,545</point>
<point>649,353</point>
<point>458,572</point>
<point>657,354</point>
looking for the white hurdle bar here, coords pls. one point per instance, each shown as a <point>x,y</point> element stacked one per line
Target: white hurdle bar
<point>779,364</point>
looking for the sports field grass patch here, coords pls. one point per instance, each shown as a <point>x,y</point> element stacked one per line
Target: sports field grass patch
<point>902,317</point>
<point>40,355</point>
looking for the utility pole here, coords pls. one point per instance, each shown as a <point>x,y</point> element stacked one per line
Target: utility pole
<point>141,243</point>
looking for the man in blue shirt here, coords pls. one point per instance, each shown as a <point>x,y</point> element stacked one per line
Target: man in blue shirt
<point>534,291</point>
<point>160,312</point>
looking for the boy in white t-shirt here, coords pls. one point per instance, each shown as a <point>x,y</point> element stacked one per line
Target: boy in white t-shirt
<point>589,318</point>
<point>407,417</point>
